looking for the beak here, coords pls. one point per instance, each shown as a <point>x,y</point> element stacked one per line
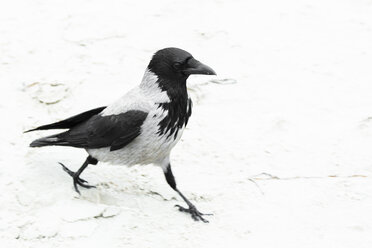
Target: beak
<point>195,67</point>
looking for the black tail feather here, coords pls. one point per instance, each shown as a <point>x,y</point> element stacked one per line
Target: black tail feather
<point>53,140</point>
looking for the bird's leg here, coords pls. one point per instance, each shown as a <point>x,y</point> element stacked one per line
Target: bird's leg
<point>76,175</point>
<point>195,214</point>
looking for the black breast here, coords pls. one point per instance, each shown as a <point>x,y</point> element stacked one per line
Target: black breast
<point>179,111</point>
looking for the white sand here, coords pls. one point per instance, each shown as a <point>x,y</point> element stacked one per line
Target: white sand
<point>282,158</point>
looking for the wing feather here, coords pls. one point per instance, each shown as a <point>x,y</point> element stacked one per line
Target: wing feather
<point>114,131</point>
<point>70,122</point>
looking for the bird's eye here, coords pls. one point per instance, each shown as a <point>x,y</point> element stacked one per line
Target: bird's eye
<point>177,66</point>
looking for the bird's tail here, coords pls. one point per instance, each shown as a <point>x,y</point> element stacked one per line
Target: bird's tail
<point>53,140</point>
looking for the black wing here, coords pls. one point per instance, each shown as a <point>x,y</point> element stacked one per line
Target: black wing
<point>114,131</point>
<point>70,122</point>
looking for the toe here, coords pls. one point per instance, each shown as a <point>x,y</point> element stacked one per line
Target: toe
<point>87,186</point>
<point>204,220</point>
<point>76,188</point>
<point>195,214</point>
<point>67,170</point>
<point>83,184</point>
<point>182,209</point>
<point>80,180</point>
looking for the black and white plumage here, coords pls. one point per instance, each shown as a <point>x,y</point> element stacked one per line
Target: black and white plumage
<point>142,127</point>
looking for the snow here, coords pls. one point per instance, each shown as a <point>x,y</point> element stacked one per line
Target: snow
<point>279,151</point>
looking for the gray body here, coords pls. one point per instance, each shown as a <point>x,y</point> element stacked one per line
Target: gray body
<point>149,146</point>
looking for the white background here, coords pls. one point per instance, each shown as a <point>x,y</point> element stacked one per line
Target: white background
<point>282,158</point>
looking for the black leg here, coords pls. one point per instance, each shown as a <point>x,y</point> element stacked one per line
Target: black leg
<point>195,214</point>
<point>76,175</point>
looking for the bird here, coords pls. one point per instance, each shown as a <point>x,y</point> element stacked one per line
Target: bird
<point>141,127</point>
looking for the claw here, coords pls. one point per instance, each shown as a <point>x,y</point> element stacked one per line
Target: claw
<point>195,214</point>
<point>76,179</point>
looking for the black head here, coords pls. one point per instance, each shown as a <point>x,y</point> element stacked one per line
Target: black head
<point>175,64</point>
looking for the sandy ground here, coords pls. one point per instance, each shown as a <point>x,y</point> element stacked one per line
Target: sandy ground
<point>282,157</point>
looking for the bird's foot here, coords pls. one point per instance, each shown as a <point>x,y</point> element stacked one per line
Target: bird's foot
<point>77,180</point>
<point>195,214</point>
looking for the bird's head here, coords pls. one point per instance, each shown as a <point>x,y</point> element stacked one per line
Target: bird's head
<point>176,65</point>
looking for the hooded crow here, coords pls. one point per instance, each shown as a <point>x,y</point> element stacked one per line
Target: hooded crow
<point>141,127</point>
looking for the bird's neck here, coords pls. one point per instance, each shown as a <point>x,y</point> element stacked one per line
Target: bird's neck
<point>166,91</point>
<point>171,96</point>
